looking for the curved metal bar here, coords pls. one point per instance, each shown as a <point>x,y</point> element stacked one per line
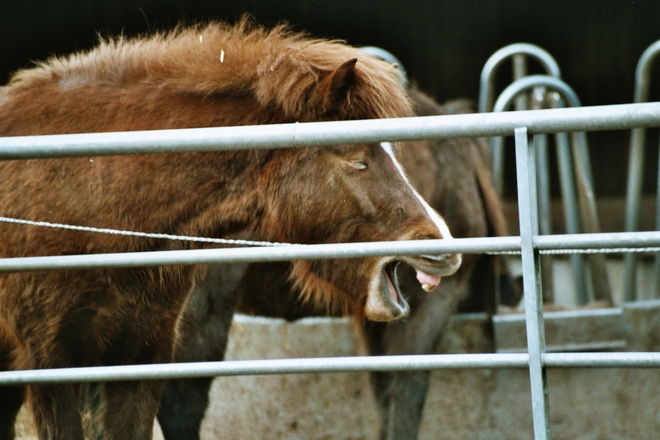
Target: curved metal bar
<point>385,55</point>
<point>583,173</point>
<point>507,97</point>
<point>517,52</point>
<point>504,102</point>
<point>486,87</point>
<point>636,166</point>
<point>643,72</point>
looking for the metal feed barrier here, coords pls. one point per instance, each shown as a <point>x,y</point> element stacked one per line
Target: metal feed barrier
<point>636,160</point>
<point>522,125</point>
<point>540,91</point>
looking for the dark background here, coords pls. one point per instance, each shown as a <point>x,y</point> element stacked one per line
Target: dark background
<point>442,44</point>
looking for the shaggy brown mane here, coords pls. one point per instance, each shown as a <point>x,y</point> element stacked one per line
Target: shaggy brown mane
<point>279,67</point>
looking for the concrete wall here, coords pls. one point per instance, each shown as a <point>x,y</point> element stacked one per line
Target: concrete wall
<point>462,404</point>
<point>467,404</point>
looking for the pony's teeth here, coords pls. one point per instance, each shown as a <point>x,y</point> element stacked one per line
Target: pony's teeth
<point>428,287</point>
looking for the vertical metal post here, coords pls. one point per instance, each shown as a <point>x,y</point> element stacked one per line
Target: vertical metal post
<point>529,227</point>
<point>537,99</point>
<point>570,203</point>
<point>543,202</point>
<point>520,71</point>
<point>656,259</point>
<point>584,177</point>
<point>565,168</point>
<point>636,167</point>
<point>633,200</point>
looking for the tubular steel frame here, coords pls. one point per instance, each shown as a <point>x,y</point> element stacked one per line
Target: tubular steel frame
<point>635,175</point>
<point>518,54</point>
<point>521,124</point>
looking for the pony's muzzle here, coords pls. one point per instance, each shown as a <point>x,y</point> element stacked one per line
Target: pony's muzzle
<point>444,264</point>
<point>430,268</point>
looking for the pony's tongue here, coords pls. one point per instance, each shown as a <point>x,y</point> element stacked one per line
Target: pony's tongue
<point>428,282</point>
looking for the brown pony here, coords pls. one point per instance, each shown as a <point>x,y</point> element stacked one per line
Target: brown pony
<point>215,75</point>
<point>453,175</point>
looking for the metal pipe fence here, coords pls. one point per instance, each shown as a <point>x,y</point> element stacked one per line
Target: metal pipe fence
<point>330,365</point>
<point>530,244</point>
<point>636,159</point>
<point>619,242</point>
<point>486,83</point>
<point>608,117</point>
<point>570,169</point>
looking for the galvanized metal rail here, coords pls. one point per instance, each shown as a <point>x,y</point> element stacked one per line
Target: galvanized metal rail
<point>521,123</point>
<point>516,52</point>
<point>580,164</point>
<point>329,365</point>
<point>636,171</point>
<point>608,117</point>
<point>617,241</point>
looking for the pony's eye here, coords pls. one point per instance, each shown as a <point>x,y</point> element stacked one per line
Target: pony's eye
<point>359,165</point>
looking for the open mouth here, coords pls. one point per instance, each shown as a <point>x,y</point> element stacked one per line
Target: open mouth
<point>397,304</point>
<point>429,282</point>
<point>385,301</point>
<point>392,283</point>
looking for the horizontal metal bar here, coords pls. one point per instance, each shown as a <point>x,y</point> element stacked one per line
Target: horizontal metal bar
<point>276,253</point>
<point>330,251</point>
<point>611,117</point>
<point>563,315</point>
<point>267,366</point>
<point>568,330</point>
<point>599,240</point>
<point>602,360</point>
<point>617,345</point>
<point>328,365</point>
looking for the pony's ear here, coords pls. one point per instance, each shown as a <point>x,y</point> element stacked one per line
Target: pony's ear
<point>334,86</point>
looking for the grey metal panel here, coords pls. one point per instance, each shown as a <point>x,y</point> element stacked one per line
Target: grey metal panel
<point>327,365</point>
<point>602,360</point>
<point>576,330</point>
<point>276,253</point>
<point>529,227</point>
<point>636,166</point>
<point>599,242</point>
<point>611,117</point>
<point>619,242</point>
<point>270,366</point>
<point>296,135</point>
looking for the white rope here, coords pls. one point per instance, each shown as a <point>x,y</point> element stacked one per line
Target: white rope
<point>141,234</point>
<point>267,243</point>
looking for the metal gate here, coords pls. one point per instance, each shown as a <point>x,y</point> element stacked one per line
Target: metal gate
<point>525,126</point>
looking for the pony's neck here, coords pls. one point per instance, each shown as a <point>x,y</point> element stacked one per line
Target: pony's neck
<point>213,195</point>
